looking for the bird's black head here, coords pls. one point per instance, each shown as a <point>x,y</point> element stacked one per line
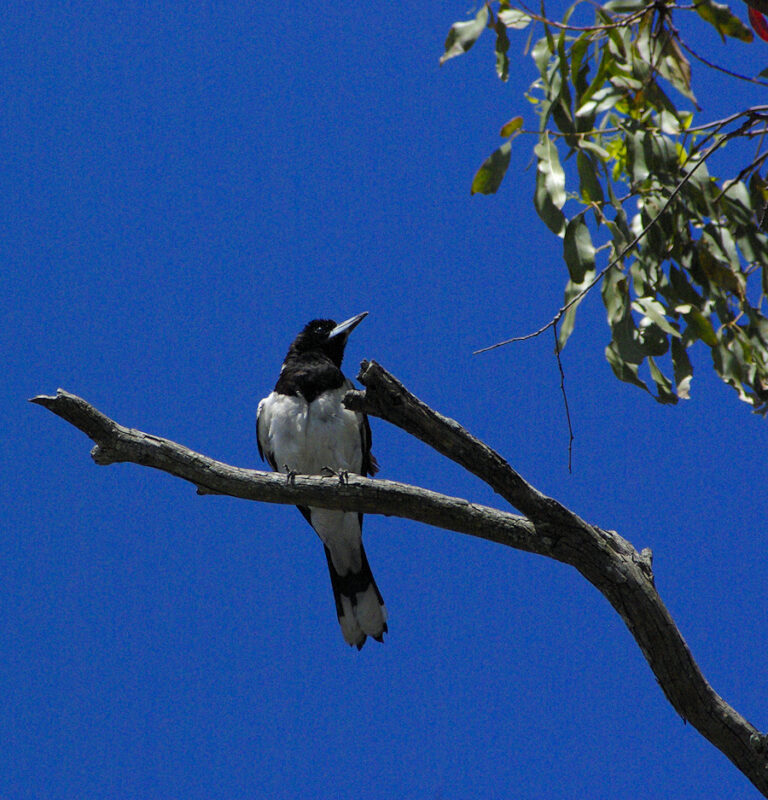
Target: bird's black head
<point>326,337</point>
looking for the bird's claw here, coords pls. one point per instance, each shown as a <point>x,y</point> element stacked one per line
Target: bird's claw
<point>329,472</point>
<point>290,474</point>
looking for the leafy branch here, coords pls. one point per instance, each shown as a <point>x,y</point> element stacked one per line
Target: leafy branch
<point>577,298</point>
<point>623,175</point>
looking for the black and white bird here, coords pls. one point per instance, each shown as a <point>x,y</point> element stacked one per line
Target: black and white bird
<point>303,427</point>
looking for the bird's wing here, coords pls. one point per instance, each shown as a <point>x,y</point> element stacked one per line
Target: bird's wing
<point>261,435</point>
<point>370,464</point>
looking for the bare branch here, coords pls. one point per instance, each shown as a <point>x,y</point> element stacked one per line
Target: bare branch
<point>118,444</point>
<point>606,560</point>
<point>388,399</point>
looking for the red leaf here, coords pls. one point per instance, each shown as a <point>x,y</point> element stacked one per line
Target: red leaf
<point>758,23</point>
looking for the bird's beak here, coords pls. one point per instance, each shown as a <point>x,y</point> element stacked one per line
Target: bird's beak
<point>346,327</point>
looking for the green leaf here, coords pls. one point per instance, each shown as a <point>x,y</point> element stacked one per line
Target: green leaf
<point>549,196</point>
<point>701,326</point>
<point>680,289</point>
<point>567,323</point>
<point>624,6</point>
<point>601,100</point>
<point>569,318</point>
<point>511,127</point>
<point>627,340</point>
<point>595,148</point>
<point>578,250</point>
<point>590,188</point>
<point>513,18</point>
<point>491,173</point>
<point>636,146</point>
<point>589,184</point>
<point>502,46</point>
<point>463,35</point>
<point>683,369</point>
<point>666,395</point>
<point>723,21</point>
<point>541,53</point>
<point>549,167</point>
<point>623,370</point>
<point>730,367</point>
<point>615,292</point>
<point>654,341</point>
<point>720,273</point>
<point>552,216</point>
<point>579,68</point>
<point>655,312</point>
<point>676,68</point>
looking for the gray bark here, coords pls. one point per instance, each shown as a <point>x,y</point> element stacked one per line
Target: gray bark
<point>605,559</point>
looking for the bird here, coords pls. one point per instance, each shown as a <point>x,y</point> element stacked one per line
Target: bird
<point>303,427</point>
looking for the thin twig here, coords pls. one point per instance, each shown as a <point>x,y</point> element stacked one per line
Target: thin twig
<point>625,22</point>
<point>712,65</point>
<point>755,112</point>
<point>565,401</point>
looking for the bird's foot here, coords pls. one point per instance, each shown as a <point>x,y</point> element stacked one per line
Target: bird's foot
<point>341,474</point>
<point>290,474</point>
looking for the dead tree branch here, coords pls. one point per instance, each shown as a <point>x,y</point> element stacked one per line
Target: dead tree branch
<point>605,559</point>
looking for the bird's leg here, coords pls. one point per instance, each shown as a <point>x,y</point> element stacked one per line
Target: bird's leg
<point>290,474</point>
<point>343,476</point>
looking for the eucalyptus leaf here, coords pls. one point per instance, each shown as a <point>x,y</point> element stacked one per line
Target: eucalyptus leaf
<point>551,170</point>
<point>683,369</point>
<point>656,312</point>
<point>511,127</point>
<point>463,35</point>
<point>702,327</point>
<point>698,270</point>
<point>514,18</point>
<point>589,182</point>
<point>664,387</point>
<point>622,369</point>
<point>502,46</point>
<point>723,20</point>
<point>578,250</point>
<point>615,292</point>
<point>491,173</point>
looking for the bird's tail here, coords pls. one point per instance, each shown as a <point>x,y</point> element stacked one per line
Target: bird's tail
<point>359,605</point>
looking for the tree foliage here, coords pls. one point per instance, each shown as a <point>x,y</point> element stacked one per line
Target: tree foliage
<point>624,179</point>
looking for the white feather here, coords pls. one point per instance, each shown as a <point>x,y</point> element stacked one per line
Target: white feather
<point>350,629</point>
<point>306,437</point>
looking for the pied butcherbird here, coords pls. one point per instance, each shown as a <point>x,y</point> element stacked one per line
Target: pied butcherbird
<point>303,427</point>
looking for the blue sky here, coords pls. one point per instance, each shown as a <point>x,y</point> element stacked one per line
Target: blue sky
<point>185,186</point>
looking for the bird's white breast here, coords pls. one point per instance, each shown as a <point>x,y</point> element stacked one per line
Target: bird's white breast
<point>306,437</point>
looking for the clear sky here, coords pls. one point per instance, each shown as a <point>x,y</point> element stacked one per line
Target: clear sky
<point>185,185</point>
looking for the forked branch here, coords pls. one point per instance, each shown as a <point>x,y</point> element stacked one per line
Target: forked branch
<point>604,558</point>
